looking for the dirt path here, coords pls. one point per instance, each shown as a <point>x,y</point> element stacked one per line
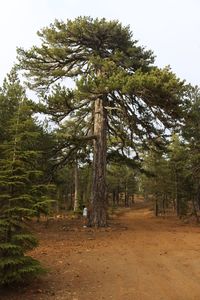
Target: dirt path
<point>138,258</point>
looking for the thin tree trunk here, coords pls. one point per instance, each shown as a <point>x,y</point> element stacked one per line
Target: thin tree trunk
<point>71,197</point>
<point>163,204</point>
<point>195,210</point>
<point>117,196</point>
<point>177,195</point>
<point>132,199</point>
<point>156,210</point>
<point>198,196</point>
<point>98,214</point>
<point>113,197</point>
<point>66,199</point>
<point>76,204</point>
<point>125,195</point>
<point>174,204</point>
<point>58,201</point>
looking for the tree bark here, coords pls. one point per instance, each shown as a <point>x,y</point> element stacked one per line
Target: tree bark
<point>132,199</point>
<point>76,204</point>
<point>163,204</point>
<point>117,196</point>
<point>114,198</point>
<point>178,212</point>
<point>98,216</point>
<point>156,207</point>
<point>195,210</point>
<point>126,202</point>
<point>198,195</point>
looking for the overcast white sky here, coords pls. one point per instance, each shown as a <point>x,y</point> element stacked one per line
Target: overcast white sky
<point>171,28</point>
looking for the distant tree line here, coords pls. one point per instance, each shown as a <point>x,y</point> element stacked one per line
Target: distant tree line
<point>173,179</point>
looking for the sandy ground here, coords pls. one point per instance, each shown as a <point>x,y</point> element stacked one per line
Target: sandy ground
<point>139,257</point>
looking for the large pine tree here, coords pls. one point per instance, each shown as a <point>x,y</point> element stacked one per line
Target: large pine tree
<point>117,92</point>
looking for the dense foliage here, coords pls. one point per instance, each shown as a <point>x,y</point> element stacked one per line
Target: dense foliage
<point>23,193</point>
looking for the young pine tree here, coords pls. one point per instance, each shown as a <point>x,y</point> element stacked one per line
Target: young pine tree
<point>17,179</point>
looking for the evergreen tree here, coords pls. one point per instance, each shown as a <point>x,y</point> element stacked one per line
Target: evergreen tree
<point>156,180</point>
<point>178,163</point>
<point>191,134</point>
<point>9,95</point>
<point>121,179</point>
<point>118,91</point>
<point>168,177</point>
<point>18,177</point>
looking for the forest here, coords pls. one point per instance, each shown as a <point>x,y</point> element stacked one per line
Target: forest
<point>88,119</point>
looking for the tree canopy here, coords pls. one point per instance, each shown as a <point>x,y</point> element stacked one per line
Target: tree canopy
<point>120,98</point>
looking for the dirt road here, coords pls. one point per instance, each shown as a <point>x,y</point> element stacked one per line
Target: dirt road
<point>139,258</point>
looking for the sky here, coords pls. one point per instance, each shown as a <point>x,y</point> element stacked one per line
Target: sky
<point>170,28</point>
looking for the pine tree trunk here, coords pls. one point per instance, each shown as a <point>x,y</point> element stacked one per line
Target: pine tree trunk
<point>114,198</point>
<point>195,209</point>
<point>76,204</point>
<point>58,201</point>
<point>117,196</point>
<point>126,195</point>
<point>178,213</point>
<point>98,216</point>
<point>133,199</point>
<point>156,207</point>
<point>163,204</point>
<point>71,197</point>
<point>198,195</point>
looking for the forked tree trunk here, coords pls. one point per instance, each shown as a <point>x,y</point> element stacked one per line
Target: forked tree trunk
<point>98,217</point>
